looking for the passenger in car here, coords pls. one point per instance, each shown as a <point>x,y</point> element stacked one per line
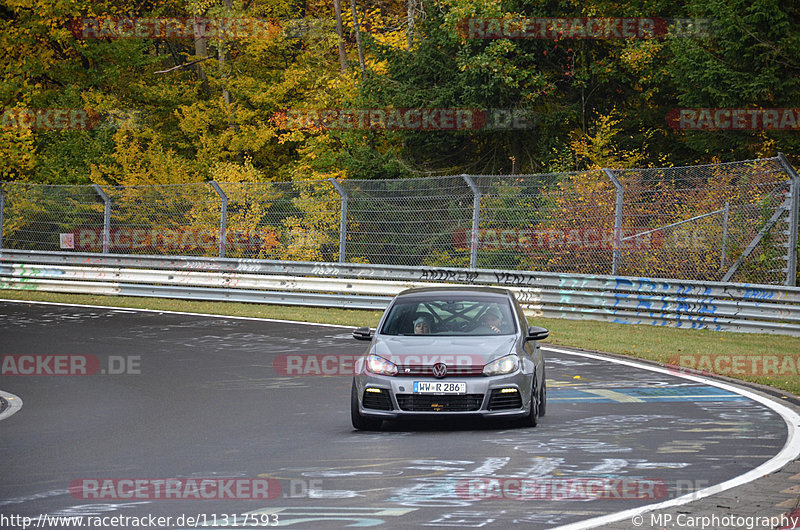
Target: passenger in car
<point>422,325</point>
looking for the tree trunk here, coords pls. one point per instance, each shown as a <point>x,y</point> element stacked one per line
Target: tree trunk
<point>337,7</point>
<point>358,37</point>
<point>410,29</point>
<point>201,51</point>
<point>226,95</point>
<point>222,53</point>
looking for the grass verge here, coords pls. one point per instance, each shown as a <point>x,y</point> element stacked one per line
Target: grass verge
<point>661,344</point>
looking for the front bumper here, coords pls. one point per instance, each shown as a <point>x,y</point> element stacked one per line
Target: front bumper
<point>504,396</point>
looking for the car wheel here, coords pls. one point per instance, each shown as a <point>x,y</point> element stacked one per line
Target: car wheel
<point>532,418</point>
<point>361,422</point>
<point>543,395</point>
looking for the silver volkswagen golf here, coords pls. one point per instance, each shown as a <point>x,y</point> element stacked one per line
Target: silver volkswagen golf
<point>455,351</point>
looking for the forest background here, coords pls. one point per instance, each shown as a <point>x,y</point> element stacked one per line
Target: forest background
<point>192,109</point>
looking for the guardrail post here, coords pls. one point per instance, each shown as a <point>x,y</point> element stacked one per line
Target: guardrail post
<point>615,259</point>
<point>476,220</point>
<point>794,190</point>
<point>106,217</point>
<point>223,217</point>
<point>342,219</point>
<point>2,207</point>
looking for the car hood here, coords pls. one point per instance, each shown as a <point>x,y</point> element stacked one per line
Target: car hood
<point>428,350</point>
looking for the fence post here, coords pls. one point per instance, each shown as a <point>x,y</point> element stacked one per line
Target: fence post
<point>791,254</point>
<point>223,217</point>
<point>106,217</point>
<point>725,219</point>
<point>615,259</point>
<point>476,220</point>
<point>342,219</point>
<point>2,207</point>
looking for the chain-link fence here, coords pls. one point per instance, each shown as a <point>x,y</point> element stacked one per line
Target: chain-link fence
<point>701,220</point>
<point>723,222</point>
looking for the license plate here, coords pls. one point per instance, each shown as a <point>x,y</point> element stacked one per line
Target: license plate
<point>439,387</point>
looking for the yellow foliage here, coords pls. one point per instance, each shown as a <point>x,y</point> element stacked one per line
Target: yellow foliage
<point>598,150</point>
<point>233,172</point>
<point>137,161</point>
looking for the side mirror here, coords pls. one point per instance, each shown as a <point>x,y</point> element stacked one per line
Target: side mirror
<point>362,334</point>
<point>537,333</point>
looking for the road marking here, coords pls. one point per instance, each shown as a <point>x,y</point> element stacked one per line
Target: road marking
<point>613,395</point>
<point>643,395</point>
<point>789,452</point>
<point>185,313</point>
<point>34,497</point>
<point>14,404</point>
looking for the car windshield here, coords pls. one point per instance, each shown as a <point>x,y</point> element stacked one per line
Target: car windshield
<point>464,316</point>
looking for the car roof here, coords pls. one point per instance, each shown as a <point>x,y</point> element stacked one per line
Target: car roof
<point>455,290</point>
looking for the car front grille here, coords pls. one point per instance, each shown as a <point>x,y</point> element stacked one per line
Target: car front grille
<point>444,403</point>
<point>456,370</point>
<point>500,401</point>
<point>378,401</point>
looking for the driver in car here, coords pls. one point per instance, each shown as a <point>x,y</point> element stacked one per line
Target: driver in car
<point>491,322</point>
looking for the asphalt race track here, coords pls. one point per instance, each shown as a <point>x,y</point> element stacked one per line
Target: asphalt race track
<point>209,398</point>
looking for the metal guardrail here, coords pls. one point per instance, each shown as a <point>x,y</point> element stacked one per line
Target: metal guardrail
<point>689,304</point>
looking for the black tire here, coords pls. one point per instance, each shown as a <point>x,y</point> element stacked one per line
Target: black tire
<point>361,422</point>
<point>543,395</point>
<point>532,418</point>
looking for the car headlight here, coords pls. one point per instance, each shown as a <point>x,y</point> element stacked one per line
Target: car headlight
<point>503,365</point>
<point>378,365</point>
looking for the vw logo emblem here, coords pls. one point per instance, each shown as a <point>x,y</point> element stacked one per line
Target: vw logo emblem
<point>439,370</point>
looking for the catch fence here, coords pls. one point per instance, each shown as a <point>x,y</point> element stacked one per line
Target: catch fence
<point>732,222</point>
